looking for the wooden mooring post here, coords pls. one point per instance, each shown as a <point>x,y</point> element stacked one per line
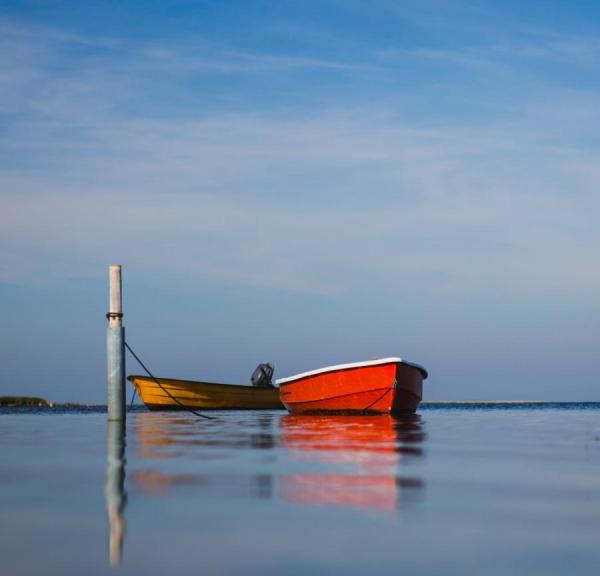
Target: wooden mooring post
<point>115,348</point>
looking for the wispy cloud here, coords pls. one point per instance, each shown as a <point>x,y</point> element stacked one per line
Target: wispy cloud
<point>578,51</point>
<point>228,61</point>
<point>26,47</point>
<point>325,199</point>
<point>474,208</point>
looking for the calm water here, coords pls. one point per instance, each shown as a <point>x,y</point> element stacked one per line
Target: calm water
<point>453,490</point>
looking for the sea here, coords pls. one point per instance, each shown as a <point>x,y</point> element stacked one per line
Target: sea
<point>490,489</point>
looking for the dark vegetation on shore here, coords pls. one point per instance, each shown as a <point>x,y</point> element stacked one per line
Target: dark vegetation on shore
<point>34,401</point>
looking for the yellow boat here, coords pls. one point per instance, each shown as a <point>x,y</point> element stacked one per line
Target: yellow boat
<point>171,394</point>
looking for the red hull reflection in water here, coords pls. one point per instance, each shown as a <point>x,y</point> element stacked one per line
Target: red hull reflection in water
<point>372,446</point>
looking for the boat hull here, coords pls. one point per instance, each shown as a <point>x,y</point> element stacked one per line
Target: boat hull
<point>364,388</point>
<point>171,394</point>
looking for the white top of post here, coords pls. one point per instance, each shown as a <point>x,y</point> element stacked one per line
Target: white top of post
<point>115,308</point>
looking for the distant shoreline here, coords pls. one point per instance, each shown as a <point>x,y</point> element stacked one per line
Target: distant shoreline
<point>38,402</point>
<point>436,402</point>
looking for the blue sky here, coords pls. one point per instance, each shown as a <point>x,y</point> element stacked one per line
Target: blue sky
<point>304,183</point>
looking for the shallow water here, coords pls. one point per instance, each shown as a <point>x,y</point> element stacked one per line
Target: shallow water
<point>501,489</point>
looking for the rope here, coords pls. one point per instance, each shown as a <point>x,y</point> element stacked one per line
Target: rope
<point>132,397</point>
<point>388,390</point>
<point>164,389</point>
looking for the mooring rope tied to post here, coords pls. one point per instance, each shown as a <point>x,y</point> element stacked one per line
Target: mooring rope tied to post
<point>163,388</point>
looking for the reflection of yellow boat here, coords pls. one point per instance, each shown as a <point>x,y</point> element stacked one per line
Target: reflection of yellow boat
<point>170,394</point>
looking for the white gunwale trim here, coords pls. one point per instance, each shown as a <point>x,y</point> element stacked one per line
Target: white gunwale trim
<point>335,368</point>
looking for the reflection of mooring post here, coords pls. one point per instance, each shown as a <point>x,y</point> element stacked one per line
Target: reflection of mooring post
<point>115,488</point>
<point>115,348</point>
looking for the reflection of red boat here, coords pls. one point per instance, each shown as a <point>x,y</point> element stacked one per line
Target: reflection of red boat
<point>360,491</point>
<point>384,386</point>
<point>361,454</point>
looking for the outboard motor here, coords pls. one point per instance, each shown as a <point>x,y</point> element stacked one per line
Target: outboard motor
<point>261,377</point>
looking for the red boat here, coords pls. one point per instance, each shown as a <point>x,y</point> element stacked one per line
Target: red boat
<point>383,386</point>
